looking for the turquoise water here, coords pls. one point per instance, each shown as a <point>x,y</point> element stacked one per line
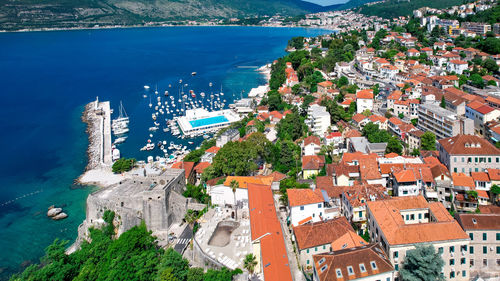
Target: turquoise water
<point>47,78</point>
<point>208,121</point>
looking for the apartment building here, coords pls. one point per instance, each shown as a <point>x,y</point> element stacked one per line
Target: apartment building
<point>468,153</point>
<point>318,119</point>
<point>484,248</point>
<point>477,27</point>
<point>442,122</point>
<point>400,224</point>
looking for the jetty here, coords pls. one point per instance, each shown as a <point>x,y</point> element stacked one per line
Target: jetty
<point>97,115</point>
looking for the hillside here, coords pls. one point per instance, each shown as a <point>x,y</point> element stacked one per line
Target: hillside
<point>21,14</point>
<point>395,8</point>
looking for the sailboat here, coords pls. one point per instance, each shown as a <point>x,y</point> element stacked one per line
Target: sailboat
<point>150,104</point>
<point>120,124</point>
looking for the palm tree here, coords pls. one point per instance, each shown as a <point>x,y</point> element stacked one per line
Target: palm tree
<point>250,263</point>
<point>234,185</point>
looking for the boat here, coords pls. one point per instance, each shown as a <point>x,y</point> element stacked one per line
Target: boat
<point>150,104</point>
<point>122,117</point>
<point>166,93</point>
<point>120,140</point>
<point>146,87</point>
<point>193,73</point>
<point>156,89</point>
<point>120,131</point>
<point>190,142</point>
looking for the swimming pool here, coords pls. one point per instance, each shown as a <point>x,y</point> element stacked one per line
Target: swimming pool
<point>208,121</point>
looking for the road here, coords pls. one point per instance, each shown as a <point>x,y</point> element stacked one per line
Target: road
<point>183,240</point>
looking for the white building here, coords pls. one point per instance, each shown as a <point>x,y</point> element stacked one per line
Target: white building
<point>318,119</point>
<point>305,205</point>
<point>364,100</point>
<point>200,121</point>
<point>457,66</point>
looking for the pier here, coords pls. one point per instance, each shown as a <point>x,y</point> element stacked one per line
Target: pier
<point>97,115</point>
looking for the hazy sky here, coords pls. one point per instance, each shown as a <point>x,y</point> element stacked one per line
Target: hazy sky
<point>327,2</point>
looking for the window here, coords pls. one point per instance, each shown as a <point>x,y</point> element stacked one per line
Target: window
<point>440,250</point>
<point>498,236</point>
<point>339,272</point>
<point>396,254</point>
<point>452,274</point>
<point>324,267</point>
<point>452,249</point>
<point>315,249</point>
<point>462,261</point>
<point>350,271</point>
<point>452,261</point>
<point>485,250</point>
<point>324,247</point>
<point>471,250</point>
<point>396,267</point>
<point>360,214</point>
<point>374,265</point>
<point>302,208</point>
<point>419,216</point>
<point>485,236</point>
<point>407,217</point>
<point>498,249</point>
<point>412,217</point>
<point>471,235</point>
<point>307,251</point>
<point>319,205</point>
<point>463,248</point>
<point>307,261</point>
<point>485,262</point>
<point>362,267</point>
<point>471,262</point>
<point>464,273</point>
<point>322,260</point>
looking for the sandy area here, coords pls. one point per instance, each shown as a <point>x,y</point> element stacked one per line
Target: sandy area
<point>101,177</point>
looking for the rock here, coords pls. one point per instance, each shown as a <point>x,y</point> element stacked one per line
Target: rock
<point>51,207</point>
<point>54,212</point>
<point>60,216</point>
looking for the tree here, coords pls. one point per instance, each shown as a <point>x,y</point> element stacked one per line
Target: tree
<point>490,64</point>
<point>167,275</point>
<point>250,263</point>
<point>422,263</point>
<point>123,165</point>
<point>291,127</point>
<point>476,80</point>
<point>343,81</point>
<point>401,115</point>
<point>495,189</point>
<point>394,145</point>
<point>428,141</point>
<point>443,102</point>
<point>195,274</point>
<point>415,152</point>
<point>234,186</point>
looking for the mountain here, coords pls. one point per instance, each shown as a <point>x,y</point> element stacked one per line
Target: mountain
<point>395,8</point>
<point>19,14</point>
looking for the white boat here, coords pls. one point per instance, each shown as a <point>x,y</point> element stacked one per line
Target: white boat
<point>193,73</point>
<point>146,87</point>
<point>120,140</point>
<point>120,131</point>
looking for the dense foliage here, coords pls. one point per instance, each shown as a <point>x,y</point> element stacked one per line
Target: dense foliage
<point>195,155</point>
<point>375,135</point>
<point>423,264</point>
<point>123,165</point>
<point>135,255</point>
<point>395,8</point>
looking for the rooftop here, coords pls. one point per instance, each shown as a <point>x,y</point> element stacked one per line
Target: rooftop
<point>300,197</point>
<point>321,233</point>
<point>468,145</point>
<point>479,221</point>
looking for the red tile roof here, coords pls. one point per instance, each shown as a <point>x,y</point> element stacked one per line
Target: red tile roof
<point>312,139</point>
<point>213,149</point>
<point>200,167</point>
<point>468,145</point>
<point>313,162</point>
<point>263,220</point>
<point>301,197</point>
<point>320,233</point>
<point>365,94</point>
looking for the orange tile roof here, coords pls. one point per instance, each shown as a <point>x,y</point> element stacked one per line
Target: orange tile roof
<point>488,221</point>
<point>313,162</point>
<point>352,134</point>
<point>320,233</point>
<point>244,181</point>
<point>368,168</point>
<point>494,174</point>
<point>387,215</point>
<point>358,117</point>
<point>312,139</point>
<point>213,149</point>
<point>365,94</point>
<point>301,197</point>
<point>325,84</point>
<point>263,220</point>
<point>461,179</point>
<point>200,167</point>
<point>457,145</point>
<point>480,176</point>
<point>348,240</point>
<point>187,166</point>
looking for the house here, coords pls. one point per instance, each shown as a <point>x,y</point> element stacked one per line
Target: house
<point>210,153</point>
<point>189,172</point>
<point>312,165</point>
<point>468,153</point>
<point>414,139</point>
<point>267,239</point>
<point>316,238</point>
<point>481,180</point>
<point>227,136</point>
<point>481,114</point>
<point>366,263</point>
<point>364,100</point>
<point>318,119</point>
<point>484,248</point>
<point>389,71</point>
<point>457,66</point>
<point>199,168</point>
<point>305,205</point>
<point>412,181</point>
<point>277,178</point>
<point>311,146</point>
<point>412,53</point>
<point>324,86</point>
<point>394,96</point>
<point>354,203</point>
<point>401,223</point>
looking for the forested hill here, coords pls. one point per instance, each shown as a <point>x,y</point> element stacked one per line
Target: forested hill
<point>395,8</point>
<point>19,14</point>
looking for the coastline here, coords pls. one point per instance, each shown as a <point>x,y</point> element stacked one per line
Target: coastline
<point>49,29</point>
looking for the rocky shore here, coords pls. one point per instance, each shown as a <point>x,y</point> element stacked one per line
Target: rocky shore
<point>92,120</point>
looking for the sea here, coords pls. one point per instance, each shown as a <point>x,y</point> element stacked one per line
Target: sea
<point>48,77</point>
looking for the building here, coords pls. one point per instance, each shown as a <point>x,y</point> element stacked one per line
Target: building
<point>318,119</point>
<point>316,238</point>
<point>457,66</point>
<point>200,121</point>
<point>364,100</point>
<point>311,146</point>
<point>354,201</point>
<point>268,243</point>
<point>414,139</point>
<point>305,205</point>
<point>401,223</point>
<point>227,136</point>
<point>312,165</point>
<point>484,248</point>
<point>367,263</point>
<point>468,153</point>
<point>481,114</point>
<point>476,27</point>
<point>442,122</point>
<point>412,181</point>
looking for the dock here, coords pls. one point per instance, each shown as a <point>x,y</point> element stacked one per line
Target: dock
<point>97,115</point>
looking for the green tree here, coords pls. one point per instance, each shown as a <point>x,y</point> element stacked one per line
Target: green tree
<point>422,263</point>
<point>428,141</point>
<point>250,263</point>
<point>415,152</point>
<point>343,81</point>
<point>195,274</point>
<point>394,145</point>
<point>167,275</point>
<point>477,80</point>
<point>234,186</point>
<point>490,64</point>
<point>443,102</point>
<point>401,115</point>
<point>291,127</point>
<point>123,165</point>
<point>495,189</point>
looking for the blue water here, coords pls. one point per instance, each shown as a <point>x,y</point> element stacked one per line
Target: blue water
<point>47,78</point>
<point>208,121</point>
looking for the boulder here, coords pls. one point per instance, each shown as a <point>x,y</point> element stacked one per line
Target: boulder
<point>54,212</point>
<point>60,216</point>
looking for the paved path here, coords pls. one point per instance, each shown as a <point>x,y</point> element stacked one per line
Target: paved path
<point>106,127</point>
<point>183,240</point>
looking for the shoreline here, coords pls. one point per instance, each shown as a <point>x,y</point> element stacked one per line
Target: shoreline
<point>49,29</point>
